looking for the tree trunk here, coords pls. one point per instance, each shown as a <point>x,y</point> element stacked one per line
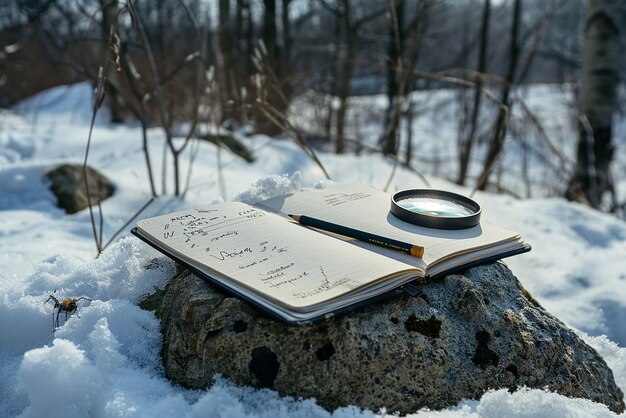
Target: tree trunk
<point>109,21</point>
<point>160,35</point>
<point>269,37</point>
<point>409,134</point>
<point>239,65</point>
<point>497,143</point>
<point>347,68</point>
<point>334,72</point>
<point>269,32</point>
<point>226,45</point>
<point>286,51</point>
<point>465,148</point>
<point>600,77</point>
<point>463,91</point>
<point>396,49</point>
<point>418,27</point>
<point>249,39</point>
<point>238,30</point>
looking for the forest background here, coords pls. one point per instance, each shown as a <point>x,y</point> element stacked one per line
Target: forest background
<point>297,68</point>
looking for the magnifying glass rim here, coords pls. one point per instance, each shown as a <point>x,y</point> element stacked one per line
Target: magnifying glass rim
<point>436,221</point>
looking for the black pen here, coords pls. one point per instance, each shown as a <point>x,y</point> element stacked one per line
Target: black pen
<point>414,250</point>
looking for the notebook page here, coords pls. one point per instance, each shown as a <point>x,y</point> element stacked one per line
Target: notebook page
<point>267,254</point>
<point>367,209</point>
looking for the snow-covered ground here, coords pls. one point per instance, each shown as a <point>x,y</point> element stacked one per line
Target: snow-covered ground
<point>105,361</point>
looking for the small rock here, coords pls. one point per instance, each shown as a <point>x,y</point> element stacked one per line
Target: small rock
<point>460,337</point>
<point>68,185</point>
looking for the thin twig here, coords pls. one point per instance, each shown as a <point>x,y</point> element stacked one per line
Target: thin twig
<point>282,122</point>
<point>501,135</point>
<point>101,223</point>
<point>98,99</point>
<point>220,172</point>
<point>128,223</point>
<point>144,142</point>
<point>193,153</point>
<point>546,139</point>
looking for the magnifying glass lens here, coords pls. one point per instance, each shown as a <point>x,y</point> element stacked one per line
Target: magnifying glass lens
<point>434,207</point>
<point>438,209</point>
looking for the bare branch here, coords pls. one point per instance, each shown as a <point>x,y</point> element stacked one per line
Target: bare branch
<point>128,223</point>
<point>282,122</point>
<point>98,99</point>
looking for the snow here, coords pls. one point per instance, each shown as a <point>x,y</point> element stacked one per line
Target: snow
<point>105,360</point>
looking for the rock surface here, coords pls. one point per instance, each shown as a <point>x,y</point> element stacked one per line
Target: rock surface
<point>459,337</point>
<point>68,185</point>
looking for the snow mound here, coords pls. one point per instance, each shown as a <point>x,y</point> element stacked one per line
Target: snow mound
<point>269,187</point>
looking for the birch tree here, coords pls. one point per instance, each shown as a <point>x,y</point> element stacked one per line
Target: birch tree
<point>600,76</point>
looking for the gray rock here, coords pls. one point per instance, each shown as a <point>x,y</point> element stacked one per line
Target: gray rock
<point>68,185</point>
<point>461,336</point>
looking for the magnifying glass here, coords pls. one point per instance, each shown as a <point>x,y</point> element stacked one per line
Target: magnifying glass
<point>437,209</point>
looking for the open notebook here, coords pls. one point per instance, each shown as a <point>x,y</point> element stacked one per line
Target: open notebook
<point>300,275</point>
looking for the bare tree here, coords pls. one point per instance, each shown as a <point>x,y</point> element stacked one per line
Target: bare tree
<point>109,25</point>
<point>351,26</point>
<point>466,144</point>
<point>286,51</point>
<point>397,37</point>
<point>276,63</point>
<point>417,28</point>
<point>225,52</point>
<point>497,143</point>
<point>600,76</point>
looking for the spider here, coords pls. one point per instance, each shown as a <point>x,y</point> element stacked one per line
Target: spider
<point>68,305</point>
